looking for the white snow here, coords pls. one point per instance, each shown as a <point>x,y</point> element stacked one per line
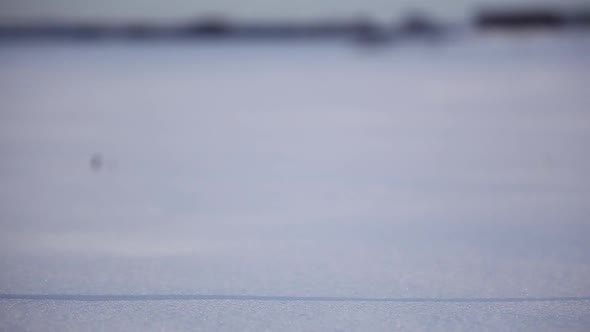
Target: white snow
<point>446,171</point>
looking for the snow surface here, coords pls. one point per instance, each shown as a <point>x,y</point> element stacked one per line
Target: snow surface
<point>454,174</point>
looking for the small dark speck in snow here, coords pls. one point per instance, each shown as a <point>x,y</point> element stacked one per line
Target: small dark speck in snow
<point>96,162</point>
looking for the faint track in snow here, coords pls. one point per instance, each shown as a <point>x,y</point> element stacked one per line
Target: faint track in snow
<point>219,297</point>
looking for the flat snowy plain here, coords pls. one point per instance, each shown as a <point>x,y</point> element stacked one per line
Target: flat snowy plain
<point>296,186</point>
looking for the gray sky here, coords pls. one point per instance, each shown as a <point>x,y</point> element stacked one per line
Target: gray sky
<point>173,10</point>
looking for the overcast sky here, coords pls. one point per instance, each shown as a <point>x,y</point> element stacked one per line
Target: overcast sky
<point>173,10</point>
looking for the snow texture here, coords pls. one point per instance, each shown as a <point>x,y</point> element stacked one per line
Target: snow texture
<point>453,174</point>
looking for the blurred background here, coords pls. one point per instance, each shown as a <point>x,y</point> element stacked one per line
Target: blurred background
<point>416,164</point>
<point>172,11</point>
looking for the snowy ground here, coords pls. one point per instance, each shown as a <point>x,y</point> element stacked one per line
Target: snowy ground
<point>453,174</point>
